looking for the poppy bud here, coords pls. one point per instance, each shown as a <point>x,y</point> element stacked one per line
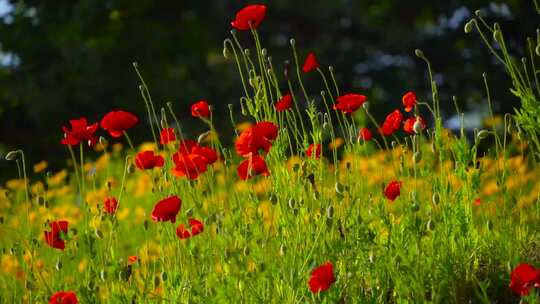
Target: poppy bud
<point>477,13</point>
<point>282,250</point>
<point>418,126</point>
<point>482,134</point>
<point>12,155</point>
<point>130,168</point>
<point>469,26</point>
<point>330,212</point>
<point>103,142</point>
<point>264,52</point>
<point>436,198</point>
<point>394,144</point>
<point>417,157</point>
<point>58,265</point>
<point>489,225</point>
<point>537,50</point>
<point>292,42</point>
<point>430,225</point>
<point>247,52</point>
<point>415,207</point>
<point>103,275</point>
<point>164,276</point>
<point>269,72</point>
<point>419,53</point>
<point>203,136</point>
<point>226,52</point>
<point>331,69</point>
<point>252,82</point>
<point>40,200</point>
<point>246,251</point>
<point>365,105</point>
<point>339,188</point>
<point>286,69</point>
<point>98,234</point>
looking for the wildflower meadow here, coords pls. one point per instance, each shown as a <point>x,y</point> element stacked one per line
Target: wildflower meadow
<point>316,201</point>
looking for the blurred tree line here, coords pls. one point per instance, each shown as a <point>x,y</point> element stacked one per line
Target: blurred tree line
<point>65,59</point>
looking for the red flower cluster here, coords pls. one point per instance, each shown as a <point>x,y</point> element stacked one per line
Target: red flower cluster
<point>196,228</point>
<point>80,132</point>
<point>191,160</point>
<point>146,160</point>
<point>392,123</point>
<point>349,103</point>
<point>200,109</point>
<point>166,136</point>
<point>257,137</point>
<point>110,205</point>
<point>250,16</point>
<point>284,103</point>
<point>392,190</point>
<point>523,278</point>
<point>63,297</point>
<point>322,278</point>
<point>117,122</point>
<point>249,143</point>
<point>166,209</point>
<point>311,63</point>
<point>314,150</point>
<point>53,238</point>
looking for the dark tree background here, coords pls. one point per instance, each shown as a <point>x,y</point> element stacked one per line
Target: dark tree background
<point>65,59</point>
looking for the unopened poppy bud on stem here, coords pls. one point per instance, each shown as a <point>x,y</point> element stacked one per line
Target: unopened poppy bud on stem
<point>469,26</point>
<point>226,52</point>
<point>419,53</point>
<point>12,155</point>
<point>292,42</point>
<point>366,106</point>
<point>482,134</point>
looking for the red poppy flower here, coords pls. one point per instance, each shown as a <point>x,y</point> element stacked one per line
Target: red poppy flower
<point>322,278</point>
<point>477,201</point>
<point>311,63</point>
<point>284,103</point>
<point>182,232</point>
<point>166,209</point>
<point>251,167</point>
<point>250,15</point>
<point>392,190</point>
<point>200,109</point>
<point>349,103</point>
<point>409,101</point>
<point>408,126</point>
<point>116,122</point>
<point>208,153</point>
<point>365,134</point>
<point>189,165</point>
<point>523,278</point>
<point>314,150</point>
<point>186,146</point>
<point>166,136</point>
<point>80,132</point>
<point>148,160</point>
<point>63,297</point>
<point>259,136</point>
<point>196,226</point>
<point>53,237</point>
<point>132,259</point>
<point>110,205</point>
<point>392,123</point>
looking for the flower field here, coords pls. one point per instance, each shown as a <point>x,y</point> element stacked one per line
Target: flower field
<point>316,201</point>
